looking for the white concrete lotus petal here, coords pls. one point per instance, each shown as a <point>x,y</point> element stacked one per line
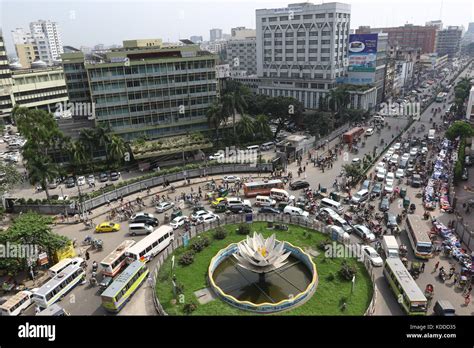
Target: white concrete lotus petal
<point>261,255</point>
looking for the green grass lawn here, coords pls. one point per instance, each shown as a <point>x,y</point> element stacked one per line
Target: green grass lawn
<point>325,301</point>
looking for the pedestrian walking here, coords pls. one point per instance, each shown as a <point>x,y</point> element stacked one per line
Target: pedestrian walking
<point>467,299</point>
<point>422,267</point>
<point>87,255</point>
<point>456,277</point>
<point>436,266</point>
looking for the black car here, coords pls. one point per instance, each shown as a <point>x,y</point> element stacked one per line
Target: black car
<point>70,182</point>
<point>298,185</point>
<point>377,190</point>
<point>390,220</point>
<point>416,181</point>
<point>239,209</point>
<point>142,219</point>
<point>114,176</point>
<point>269,210</point>
<point>103,177</point>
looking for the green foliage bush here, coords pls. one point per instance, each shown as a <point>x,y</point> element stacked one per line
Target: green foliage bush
<point>200,243</point>
<point>347,271</point>
<point>187,258</point>
<point>220,233</point>
<point>243,229</point>
<point>188,308</point>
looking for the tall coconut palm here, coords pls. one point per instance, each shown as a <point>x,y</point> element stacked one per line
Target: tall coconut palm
<point>245,127</point>
<point>215,117</point>
<point>261,126</point>
<point>78,153</point>
<point>234,102</point>
<point>41,171</point>
<point>88,138</point>
<point>116,147</point>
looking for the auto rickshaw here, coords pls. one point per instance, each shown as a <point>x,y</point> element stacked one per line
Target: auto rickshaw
<point>415,269</point>
<point>406,203</point>
<point>403,192</point>
<point>222,192</point>
<point>176,213</point>
<point>221,207</point>
<point>335,196</point>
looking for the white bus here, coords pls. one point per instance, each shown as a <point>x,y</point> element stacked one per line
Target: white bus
<point>408,294</point>
<point>418,234</point>
<point>16,304</point>
<point>56,288</point>
<point>57,268</point>
<point>113,263</point>
<point>151,245</point>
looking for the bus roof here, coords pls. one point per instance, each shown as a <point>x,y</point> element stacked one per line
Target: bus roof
<point>53,282</point>
<point>411,289</point>
<point>52,310</point>
<point>61,264</point>
<point>122,279</point>
<point>420,227</point>
<point>259,183</point>
<point>114,255</point>
<point>145,241</point>
<point>14,299</point>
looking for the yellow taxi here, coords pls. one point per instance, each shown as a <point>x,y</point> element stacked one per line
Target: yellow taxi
<point>107,227</point>
<point>216,202</point>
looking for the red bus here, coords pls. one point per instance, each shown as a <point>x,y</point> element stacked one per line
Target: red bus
<point>354,133</point>
<point>261,188</point>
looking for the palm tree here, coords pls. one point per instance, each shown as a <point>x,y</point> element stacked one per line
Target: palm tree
<point>234,101</point>
<point>88,138</point>
<point>41,171</point>
<point>261,126</point>
<point>215,117</point>
<point>78,153</point>
<point>245,127</point>
<point>116,148</point>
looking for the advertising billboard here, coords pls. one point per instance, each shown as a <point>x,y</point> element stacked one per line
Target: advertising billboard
<point>362,52</point>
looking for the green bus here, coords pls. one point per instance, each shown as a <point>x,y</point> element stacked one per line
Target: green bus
<point>409,295</point>
<point>124,286</point>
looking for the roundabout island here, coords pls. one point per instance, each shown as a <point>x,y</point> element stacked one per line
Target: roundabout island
<point>251,269</point>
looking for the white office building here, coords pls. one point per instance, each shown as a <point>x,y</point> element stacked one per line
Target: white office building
<point>48,39</point>
<point>302,49</point>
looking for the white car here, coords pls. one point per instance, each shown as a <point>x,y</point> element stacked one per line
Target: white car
<point>369,131</point>
<point>380,165</point>
<point>164,206</point>
<point>381,174</point>
<point>405,157</point>
<point>390,177</point>
<point>388,155</point>
<point>424,150</point>
<point>81,181</point>
<point>216,156</point>
<point>413,151</point>
<point>90,179</point>
<point>373,256</point>
<point>364,232</point>
<point>195,216</point>
<point>208,218</point>
<point>400,173</point>
<point>394,159</point>
<point>356,161</point>
<point>388,188</point>
<point>178,221</point>
<point>397,146</point>
<point>230,178</point>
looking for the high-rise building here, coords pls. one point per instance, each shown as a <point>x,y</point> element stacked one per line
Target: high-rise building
<point>146,91</point>
<point>437,23</point>
<point>215,34</point>
<point>469,35</point>
<point>6,82</point>
<point>449,41</point>
<point>302,49</point>
<point>407,36</point>
<point>26,54</point>
<point>196,39</point>
<point>241,51</point>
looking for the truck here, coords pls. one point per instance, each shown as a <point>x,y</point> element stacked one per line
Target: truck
<point>349,136</point>
<point>390,246</point>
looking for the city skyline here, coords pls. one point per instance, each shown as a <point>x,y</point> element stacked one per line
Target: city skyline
<point>76,20</point>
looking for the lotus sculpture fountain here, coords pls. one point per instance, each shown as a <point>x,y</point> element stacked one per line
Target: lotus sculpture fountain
<point>261,255</point>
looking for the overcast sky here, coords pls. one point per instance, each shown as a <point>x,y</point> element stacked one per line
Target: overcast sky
<point>89,22</point>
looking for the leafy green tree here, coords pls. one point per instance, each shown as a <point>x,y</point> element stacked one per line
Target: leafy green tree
<point>41,171</point>
<point>215,117</point>
<point>9,177</point>
<point>353,173</point>
<point>116,148</point>
<point>459,129</point>
<point>282,110</point>
<point>262,127</point>
<point>234,101</point>
<point>245,127</point>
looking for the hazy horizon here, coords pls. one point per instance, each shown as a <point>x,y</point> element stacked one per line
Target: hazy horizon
<point>87,23</point>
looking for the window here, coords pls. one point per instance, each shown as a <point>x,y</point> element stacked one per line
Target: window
<point>283,18</point>
<point>301,34</point>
